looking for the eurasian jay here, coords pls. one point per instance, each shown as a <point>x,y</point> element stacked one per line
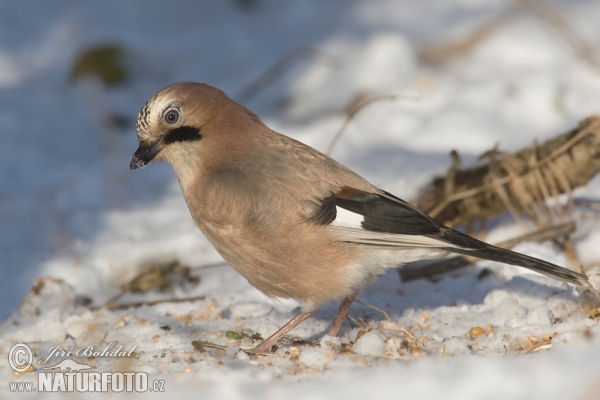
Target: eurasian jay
<point>291,220</point>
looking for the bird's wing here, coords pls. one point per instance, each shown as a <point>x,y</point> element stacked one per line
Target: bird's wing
<point>383,220</point>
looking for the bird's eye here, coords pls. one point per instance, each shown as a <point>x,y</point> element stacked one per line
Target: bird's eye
<point>171,117</point>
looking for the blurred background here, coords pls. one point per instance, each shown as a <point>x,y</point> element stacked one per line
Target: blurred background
<point>465,75</point>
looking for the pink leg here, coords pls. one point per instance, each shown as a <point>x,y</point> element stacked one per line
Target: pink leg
<point>341,316</point>
<point>292,323</point>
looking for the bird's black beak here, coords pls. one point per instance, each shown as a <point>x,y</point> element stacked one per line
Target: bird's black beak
<point>144,154</point>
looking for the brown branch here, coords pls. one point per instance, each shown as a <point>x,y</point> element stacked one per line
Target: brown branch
<point>479,193</point>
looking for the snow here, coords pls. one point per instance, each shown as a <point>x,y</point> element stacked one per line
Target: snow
<point>76,224</point>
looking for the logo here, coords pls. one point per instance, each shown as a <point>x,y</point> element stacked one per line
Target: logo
<point>69,365</point>
<point>72,376</point>
<point>20,357</point>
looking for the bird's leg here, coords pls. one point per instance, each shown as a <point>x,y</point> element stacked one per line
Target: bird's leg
<point>292,323</point>
<point>341,316</point>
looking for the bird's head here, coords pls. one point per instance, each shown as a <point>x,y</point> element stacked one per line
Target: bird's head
<point>197,129</point>
<point>169,126</point>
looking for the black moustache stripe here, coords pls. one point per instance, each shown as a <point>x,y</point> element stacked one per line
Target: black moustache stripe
<point>182,134</point>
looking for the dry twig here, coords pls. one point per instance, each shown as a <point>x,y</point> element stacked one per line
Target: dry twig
<point>544,12</point>
<point>351,114</point>
<point>354,110</point>
<point>156,276</point>
<point>555,19</point>
<point>521,182</point>
<point>409,335</point>
<point>199,345</point>
<point>281,67</point>
<point>438,54</point>
<point>112,307</point>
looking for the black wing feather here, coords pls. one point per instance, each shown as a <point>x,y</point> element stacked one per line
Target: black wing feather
<point>326,211</point>
<point>389,214</point>
<point>385,215</point>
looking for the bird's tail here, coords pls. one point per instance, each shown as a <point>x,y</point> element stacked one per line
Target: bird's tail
<point>494,253</point>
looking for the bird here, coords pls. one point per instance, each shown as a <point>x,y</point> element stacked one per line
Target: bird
<point>295,223</point>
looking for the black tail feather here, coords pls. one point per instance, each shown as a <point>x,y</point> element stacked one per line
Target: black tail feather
<point>493,253</point>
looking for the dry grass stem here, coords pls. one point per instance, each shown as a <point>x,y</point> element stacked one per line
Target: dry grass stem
<point>554,18</point>
<point>387,317</point>
<point>352,113</point>
<point>201,344</point>
<point>281,66</point>
<point>440,53</point>
<point>112,307</point>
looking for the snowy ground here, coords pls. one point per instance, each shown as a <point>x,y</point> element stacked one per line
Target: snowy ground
<point>72,212</point>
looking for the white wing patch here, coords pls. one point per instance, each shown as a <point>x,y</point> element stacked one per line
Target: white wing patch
<point>348,227</point>
<point>347,219</point>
